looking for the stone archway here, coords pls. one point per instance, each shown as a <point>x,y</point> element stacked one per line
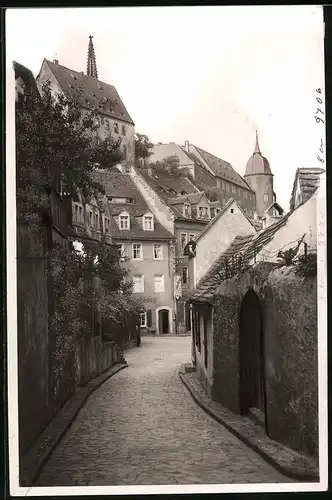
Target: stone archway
<point>251,356</point>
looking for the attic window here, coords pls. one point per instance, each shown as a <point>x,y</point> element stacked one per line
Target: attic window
<point>130,200</point>
<point>148,222</point>
<point>124,221</point>
<point>184,192</point>
<point>100,87</point>
<point>74,77</point>
<point>232,210</point>
<point>172,191</point>
<point>186,210</point>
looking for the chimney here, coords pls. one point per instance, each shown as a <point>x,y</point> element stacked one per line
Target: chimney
<point>55,61</point>
<point>186,146</point>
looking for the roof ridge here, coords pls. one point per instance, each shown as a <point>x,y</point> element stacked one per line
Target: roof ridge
<point>79,72</point>
<point>217,157</point>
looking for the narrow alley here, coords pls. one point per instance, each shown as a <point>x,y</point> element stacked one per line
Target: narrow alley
<point>143,427</point>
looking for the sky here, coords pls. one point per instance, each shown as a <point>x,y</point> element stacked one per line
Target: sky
<point>209,75</point>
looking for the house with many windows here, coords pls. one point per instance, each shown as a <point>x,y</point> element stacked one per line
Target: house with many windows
<point>146,248</point>
<point>216,177</point>
<point>192,211</point>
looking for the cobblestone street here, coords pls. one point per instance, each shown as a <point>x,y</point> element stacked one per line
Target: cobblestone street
<point>143,427</point>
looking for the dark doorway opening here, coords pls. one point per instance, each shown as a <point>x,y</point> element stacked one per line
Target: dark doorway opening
<point>163,319</point>
<point>205,341</point>
<point>251,351</point>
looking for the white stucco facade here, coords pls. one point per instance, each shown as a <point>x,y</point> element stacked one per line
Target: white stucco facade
<point>215,238</point>
<point>302,222</point>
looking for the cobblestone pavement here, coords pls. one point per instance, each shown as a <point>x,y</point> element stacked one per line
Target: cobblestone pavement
<point>143,427</point>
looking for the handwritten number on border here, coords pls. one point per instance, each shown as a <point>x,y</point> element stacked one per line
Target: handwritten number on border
<point>319,120</point>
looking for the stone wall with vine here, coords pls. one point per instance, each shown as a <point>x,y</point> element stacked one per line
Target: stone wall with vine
<point>288,298</point>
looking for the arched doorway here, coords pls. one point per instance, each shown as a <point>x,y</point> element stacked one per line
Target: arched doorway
<point>164,320</point>
<point>251,356</point>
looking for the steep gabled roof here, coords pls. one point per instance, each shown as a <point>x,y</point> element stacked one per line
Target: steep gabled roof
<point>221,168</point>
<point>308,178</point>
<point>119,185</point>
<point>92,91</point>
<point>221,213</point>
<point>192,198</point>
<point>168,182</point>
<point>25,74</point>
<point>238,254</point>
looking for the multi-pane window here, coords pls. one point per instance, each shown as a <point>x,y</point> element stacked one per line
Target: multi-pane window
<point>107,224</point>
<point>107,125</point>
<point>97,222</point>
<point>246,194</point>
<point>124,221</point>
<point>233,188</point>
<point>159,285</point>
<point>116,127</point>
<point>203,212</point>
<point>227,186</point>
<point>186,210</point>
<point>91,221</point>
<point>138,282</point>
<point>143,319</point>
<point>183,240</point>
<point>185,276</point>
<point>266,198</point>
<point>191,236</point>
<point>222,184</point>
<point>123,130</point>
<point>137,251</point>
<point>148,223</point>
<point>157,252</point>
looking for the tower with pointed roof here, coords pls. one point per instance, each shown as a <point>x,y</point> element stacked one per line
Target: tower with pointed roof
<point>91,68</point>
<point>260,178</point>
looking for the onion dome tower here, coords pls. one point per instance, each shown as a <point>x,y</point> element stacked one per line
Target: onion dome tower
<point>260,178</point>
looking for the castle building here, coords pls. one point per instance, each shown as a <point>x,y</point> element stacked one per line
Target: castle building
<point>260,178</point>
<point>94,95</point>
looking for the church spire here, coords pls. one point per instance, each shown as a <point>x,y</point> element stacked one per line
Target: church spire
<point>91,69</point>
<point>257,150</point>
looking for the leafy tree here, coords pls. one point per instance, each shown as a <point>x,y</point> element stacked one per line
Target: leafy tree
<point>56,143</point>
<point>143,147</point>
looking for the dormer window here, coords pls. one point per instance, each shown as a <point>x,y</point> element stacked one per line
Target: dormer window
<point>184,192</point>
<point>186,210</point>
<point>148,222</point>
<point>172,191</point>
<point>124,221</point>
